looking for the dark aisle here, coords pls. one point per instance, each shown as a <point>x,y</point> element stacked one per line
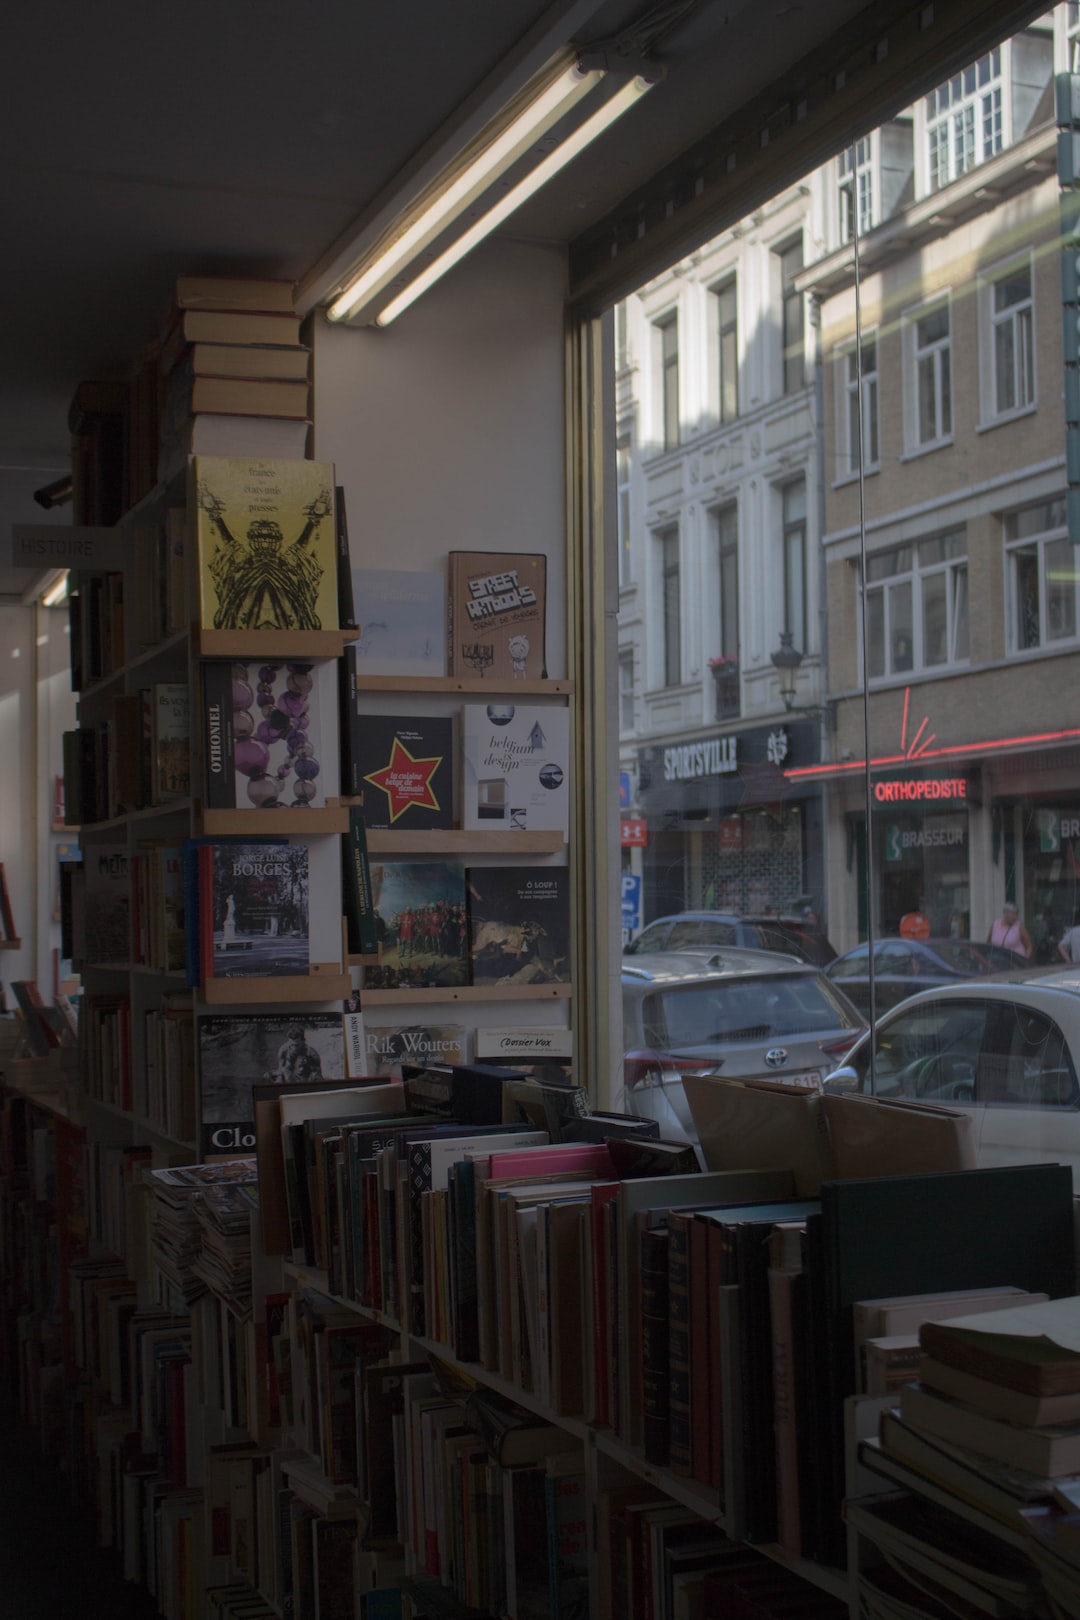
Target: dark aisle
<point>50,1568</point>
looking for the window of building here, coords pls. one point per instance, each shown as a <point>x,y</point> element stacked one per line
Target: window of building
<point>929,357</point>
<point>793,498</point>
<point>668,331</point>
<point>726,328</point>
<point>1072,35</point>
<point>622,508</point>
<point>855,189</point>
<point>792,317</point>
<point>626,690</point>
<point>916,605</point>
<point>857,393</point>
<point>964,121</point>
<point>1010,353</point>
<point>670,587</point>
<point>727,550</point>
<point>1042,577</point>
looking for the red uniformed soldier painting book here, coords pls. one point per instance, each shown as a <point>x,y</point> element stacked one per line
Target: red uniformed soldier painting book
<point>263,743</point>
<point>253,909</point>
<point>519,924</point>
<point>421,922</point>
<point>265,542</point>
<point>496,606</point>
<point>403,769</point>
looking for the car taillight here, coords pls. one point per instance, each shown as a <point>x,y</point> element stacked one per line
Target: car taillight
<point>654,1068</point>
<point>844,1044</point>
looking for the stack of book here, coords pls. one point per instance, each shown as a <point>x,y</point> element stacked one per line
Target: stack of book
<point>176,1234</point>
<point>223,1217</point>
<point>233,372</point>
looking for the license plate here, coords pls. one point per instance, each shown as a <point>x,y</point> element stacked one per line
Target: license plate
<point>809,1078</point>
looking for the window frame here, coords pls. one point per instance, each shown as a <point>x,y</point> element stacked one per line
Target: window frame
<point>936,353</point>
<point>1055,535</point>
<point>956,136</point>
<point>792,314</point>
<point>794,537</point>
<point>850,456</point>
<point>669,598</point>
<point>855,201</point>
<point>991,322</point>
<point>914,578</point>
<point>669,415</point>
<point>720,330</point>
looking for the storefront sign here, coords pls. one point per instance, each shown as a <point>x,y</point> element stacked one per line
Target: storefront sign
<point>691,761</point>
<point>900,840</point>
<point>921,790</point>
<point>1055,828</point>
<point>633,832</point>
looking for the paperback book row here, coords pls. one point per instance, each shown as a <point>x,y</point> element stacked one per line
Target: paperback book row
<point>138,756</point>
<point>496,766</point>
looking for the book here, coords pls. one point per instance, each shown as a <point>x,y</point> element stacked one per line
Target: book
<point>519,924</point>
<point>7,915</point>
<point>262,734</point>
<point>41,1038</point>
<point>361,931</point>
<point>265,543</point>
<point>421,921</point>
<point>516,767</point>
<point>1033,1348</point>
<point>107,903</point>
<point>237,1051</point>
<point>187,394</point>
<point>171,741</point>
<point>996,1400</point>
<point>253,909</point>
<point>388,1046</point>
<point>346,608</point>
<point>496,606</point>
<point>905,1313</point>
<point>402,618</point>
<point>1050,1452</point>
<point>276,327</point>
<point>403,769</point>
<point>246,360</point>
<point>267,293</point>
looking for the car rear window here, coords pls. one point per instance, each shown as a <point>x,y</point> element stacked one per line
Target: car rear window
<point>744,1009</point>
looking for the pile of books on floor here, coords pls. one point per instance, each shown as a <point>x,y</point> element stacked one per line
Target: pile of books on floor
<point>223,1217</point>
<point>988,1442</point>
<point>176,1232</point>
<point>233,372</point>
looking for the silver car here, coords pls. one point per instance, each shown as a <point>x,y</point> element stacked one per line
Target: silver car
<point>1007,1047</point>
<point>739,1013</point>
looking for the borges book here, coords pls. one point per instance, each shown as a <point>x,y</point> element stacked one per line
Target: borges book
<point>497,602</point>
<point>405,770</point>
<point>517,767</point>
<point>519,924</point>
<point>253,909</point>
<point>266,544</point>
<point>263,743</point>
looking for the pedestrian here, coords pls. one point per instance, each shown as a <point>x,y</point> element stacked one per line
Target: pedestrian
<point>1069,943</point>
<point>1009,932</point>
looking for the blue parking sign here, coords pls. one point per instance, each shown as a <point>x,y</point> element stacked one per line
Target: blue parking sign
<point>631,902</point>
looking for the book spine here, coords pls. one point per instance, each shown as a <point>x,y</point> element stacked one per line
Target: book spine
<point>679,1342</point>
<point>219,775</point>
<point>361,924</point>
<point>349,725</point>
<point>655,1324</point>
<point>346,606</point>
<point>785,1409</point>
<point>701,1438</point>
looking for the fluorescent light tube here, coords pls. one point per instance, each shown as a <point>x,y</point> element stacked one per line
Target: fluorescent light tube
<point>56,591</point>
<point>621,102</point>
<point>493,160</point>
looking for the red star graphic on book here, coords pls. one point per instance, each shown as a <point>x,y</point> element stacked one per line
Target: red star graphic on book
<point>406,781</point>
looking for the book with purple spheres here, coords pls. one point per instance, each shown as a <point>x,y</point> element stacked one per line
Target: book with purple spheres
<point>262,738</point>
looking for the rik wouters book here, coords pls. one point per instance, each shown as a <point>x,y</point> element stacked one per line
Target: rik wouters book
<point>496,606</point>
<point>266,545</point>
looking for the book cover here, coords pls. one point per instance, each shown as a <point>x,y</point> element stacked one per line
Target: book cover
<point>262,737</point>
<point>171,740</point>
<point>403,767</point>
<point>516,760</point>
<point>387,1046</point>
<point>346,606</point>
<point>265,543</point>
<point>107,903</point>
<point>361,934</point>
<point>402,619</point>
<point>497,602</point>
<point>253,909</point>
<point>519,924</point>
<point>240,1050</point>
<point>421,922</point>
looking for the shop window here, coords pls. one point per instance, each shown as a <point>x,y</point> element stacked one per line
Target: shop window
<point>964,120</point>
<point>725,323</point>
<point>667,332</point>
<point>793,561</point>
<point>857,402</point>
<point>855,189</point>
<point>671,621</point>
<point>1041,576</point>
<point>928,377</point>
<point>792,316</point>
<point>916,605</point>
<point>1007,346</point>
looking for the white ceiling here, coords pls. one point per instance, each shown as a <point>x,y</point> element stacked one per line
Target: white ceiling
<point>140,140</point>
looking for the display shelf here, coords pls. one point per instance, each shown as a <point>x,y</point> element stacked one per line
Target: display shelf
<point>465,992</point>
<point>463,685</point>
<point>331,818</point>
<point>460,841</point>
<point>150,812</point>
<point>271,644</point>
<point>323,983</point>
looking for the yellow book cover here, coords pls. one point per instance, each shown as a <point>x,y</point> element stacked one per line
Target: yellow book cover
<point>266,549</point>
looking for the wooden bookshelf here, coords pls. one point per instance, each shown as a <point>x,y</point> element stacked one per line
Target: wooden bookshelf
<point>463,686</point>
<point>465,992</point>
<point>327,983</point>
<point>461,841</point>
<point>331,818</point>
<point>245,645</point>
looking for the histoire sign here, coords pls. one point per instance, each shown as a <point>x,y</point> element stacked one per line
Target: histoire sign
<point>64,545</point>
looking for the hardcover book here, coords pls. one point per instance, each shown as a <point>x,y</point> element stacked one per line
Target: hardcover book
<point>171,741</point>
<point>516,760</point>
<point>265,541</point>
<point>241,1050</point>
<point>404,769</point>
<point>387,1046</point>
<point>421,922</point>
<point>519,924</point>
<point>107,903</point>
<point>361,933</point>
<point>402,619</point>
<point>253,909</point>
<point>263,744</point>
<point>497,603</point>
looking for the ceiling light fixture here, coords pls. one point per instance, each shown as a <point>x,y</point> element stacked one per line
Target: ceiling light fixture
<point>56,592</point>
<point>480,167</point>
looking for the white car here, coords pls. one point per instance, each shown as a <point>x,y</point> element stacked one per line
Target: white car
<point>1007,1047</point>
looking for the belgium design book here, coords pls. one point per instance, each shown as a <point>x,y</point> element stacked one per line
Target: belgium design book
<point>519,924</point>
<point>404,770</point>
<point>241,1050</point>
<point>253,909</point>
<point>263,746</point>
<point>516,760</point>
<point>266,544</point>
<point>421,923</point>
<point>497,602</point>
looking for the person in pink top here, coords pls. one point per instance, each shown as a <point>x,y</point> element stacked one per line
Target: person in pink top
<point>1009,932</point>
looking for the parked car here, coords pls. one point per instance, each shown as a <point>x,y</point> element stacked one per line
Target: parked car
<point>1006,1046</point>
<point>708,930</point>
<point>902,967</point>
<point>739,1013</point>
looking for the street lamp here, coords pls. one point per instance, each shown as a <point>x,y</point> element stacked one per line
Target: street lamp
<point>787,659</point>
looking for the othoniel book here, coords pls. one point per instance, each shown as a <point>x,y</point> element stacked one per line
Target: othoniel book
<point>253,909</point>
<point>263,745</point>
